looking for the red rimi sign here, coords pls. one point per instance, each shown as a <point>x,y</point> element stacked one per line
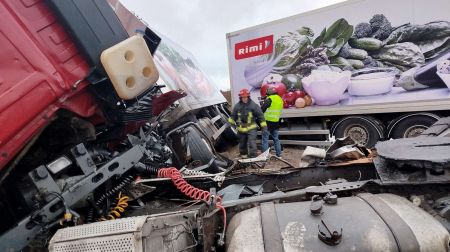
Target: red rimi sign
<point>254,47</point>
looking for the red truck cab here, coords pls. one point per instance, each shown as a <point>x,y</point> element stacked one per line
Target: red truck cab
<point>41,72</point>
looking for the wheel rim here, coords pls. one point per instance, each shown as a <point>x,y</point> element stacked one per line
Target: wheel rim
<point>357,133</point>
<point>414,131</point>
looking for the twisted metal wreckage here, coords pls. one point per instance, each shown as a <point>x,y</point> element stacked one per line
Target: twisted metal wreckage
<point>90,163</point>
<point>398,202</point>
<point>401,199</point>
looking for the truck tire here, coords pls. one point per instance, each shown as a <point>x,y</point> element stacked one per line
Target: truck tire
<point>412,126</point>
<point>363,130</point>
<point>200,149</point>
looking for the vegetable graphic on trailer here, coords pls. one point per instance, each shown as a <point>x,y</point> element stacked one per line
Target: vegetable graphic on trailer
<point>390,59</point>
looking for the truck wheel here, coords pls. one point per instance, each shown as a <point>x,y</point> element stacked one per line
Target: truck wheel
<point>200,149</point>
<point>412,126</point>
<point>362,130</point>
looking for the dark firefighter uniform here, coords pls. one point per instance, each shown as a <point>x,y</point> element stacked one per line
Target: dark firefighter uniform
<point>245,116</point>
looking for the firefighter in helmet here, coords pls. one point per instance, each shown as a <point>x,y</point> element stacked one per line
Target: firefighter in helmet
<point>245,116</point>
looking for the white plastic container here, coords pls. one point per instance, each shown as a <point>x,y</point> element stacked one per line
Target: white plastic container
<point>129,65</point>
<point>325,87</point>
<point>371,82</point>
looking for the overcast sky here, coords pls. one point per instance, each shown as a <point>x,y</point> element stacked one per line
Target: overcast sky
<point>200,25</point>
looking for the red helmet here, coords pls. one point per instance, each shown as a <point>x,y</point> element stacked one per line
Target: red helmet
<point>244,93</point>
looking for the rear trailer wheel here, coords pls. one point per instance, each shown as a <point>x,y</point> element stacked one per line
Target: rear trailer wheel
<point>363,130</point>
<point>412,126</point>
<point>200,149</point>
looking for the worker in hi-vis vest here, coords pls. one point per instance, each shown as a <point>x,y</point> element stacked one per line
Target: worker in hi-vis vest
<point>245,116</point>
<point>272,108</point>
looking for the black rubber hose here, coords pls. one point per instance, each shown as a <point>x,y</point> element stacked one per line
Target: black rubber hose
<point>126,181</point>
<point>146,169</point>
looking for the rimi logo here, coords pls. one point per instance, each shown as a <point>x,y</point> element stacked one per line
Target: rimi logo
<point>254,47</point>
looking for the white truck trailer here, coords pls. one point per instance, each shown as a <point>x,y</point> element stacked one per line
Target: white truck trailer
<point>391,48</point>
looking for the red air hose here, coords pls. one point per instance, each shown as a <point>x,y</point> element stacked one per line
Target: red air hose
<point>190,191</point>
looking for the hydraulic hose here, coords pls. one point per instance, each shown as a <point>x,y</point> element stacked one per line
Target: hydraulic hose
<point>191,191</point>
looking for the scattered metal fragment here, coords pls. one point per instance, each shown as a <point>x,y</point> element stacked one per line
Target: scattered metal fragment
<point>311,156</point>
<point>439,128</point>
<point>339,143</point>
<point>347,152</point>
<point>421,152</point>
<point>234,191</point>
<point>137,190</point>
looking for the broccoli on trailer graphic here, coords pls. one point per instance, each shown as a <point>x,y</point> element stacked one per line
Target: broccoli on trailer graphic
<point>375,44</point>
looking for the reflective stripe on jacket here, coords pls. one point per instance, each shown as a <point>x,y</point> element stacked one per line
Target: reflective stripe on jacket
<point>273,112</point>
<point>246,116</point>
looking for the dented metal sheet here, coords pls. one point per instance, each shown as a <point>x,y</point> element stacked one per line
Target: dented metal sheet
<point>439,128</point>
<point>234,191</point>
<point>339,143</point>
<point>347,152</point>
<point>421,152</point>
<point>389,173</point>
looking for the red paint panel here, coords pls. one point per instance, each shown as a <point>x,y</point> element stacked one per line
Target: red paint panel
<point>52,40</point>
<point>39,65</point>
<point>18,114</point>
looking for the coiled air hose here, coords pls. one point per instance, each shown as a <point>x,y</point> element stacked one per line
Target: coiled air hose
<point>191,191</point>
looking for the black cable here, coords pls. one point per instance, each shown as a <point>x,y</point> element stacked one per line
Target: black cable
<point>58,195</point>
<point>146,169</point>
